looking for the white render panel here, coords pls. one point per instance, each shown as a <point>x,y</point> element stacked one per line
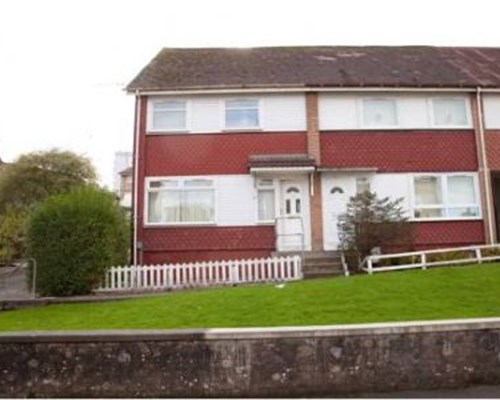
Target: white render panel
<point>283,112</point>
<point>206,113</point>
<point>235,200</point>
<point>337,112</point>
<point>414,110</point>
<point>491,111</point>
<point>393,186</point>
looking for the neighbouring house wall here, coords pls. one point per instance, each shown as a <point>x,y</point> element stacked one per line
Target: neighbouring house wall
<point>274,362</point>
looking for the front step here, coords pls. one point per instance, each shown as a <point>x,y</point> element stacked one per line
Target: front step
<point>318,264</point>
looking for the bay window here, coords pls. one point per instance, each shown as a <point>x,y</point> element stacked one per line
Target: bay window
<point>178,201</point>
<point>445,196</point>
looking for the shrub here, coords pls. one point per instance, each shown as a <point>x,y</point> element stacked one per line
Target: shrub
<point>372,222</point>
<point>73,237</point>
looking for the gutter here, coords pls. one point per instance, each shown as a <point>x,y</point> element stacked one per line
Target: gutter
<point>305,89</point>
<point>136,173</point>
<point>484,165</point>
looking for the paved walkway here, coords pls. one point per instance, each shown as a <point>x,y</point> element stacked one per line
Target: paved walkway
<point>13,283</point>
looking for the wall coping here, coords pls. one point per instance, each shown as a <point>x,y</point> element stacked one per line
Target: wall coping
<point>131,335</point>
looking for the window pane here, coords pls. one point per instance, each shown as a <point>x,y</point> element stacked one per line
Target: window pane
<point>162,184</point>
<point>449,112</point>
<point>456,212</point>
<point>198,206</point>
<point>265,183</point>
<point>175,105</point>
<point>198,183</point>
<point>242,119</point>
<point>428,213</point>
<point>428,190</point>
<point>461,190</point>
<point>362,185</point>
<point>266,205</point>
<point>164,206</point>
<point>379,112</point>
<point>169,120</point>
<point>242,113</point>
<point>242,103</point>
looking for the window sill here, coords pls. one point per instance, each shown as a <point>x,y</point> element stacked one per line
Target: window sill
<point>162,132</point>
<point>254,129</point>
<point>446,219</point>
<point>180,225</point>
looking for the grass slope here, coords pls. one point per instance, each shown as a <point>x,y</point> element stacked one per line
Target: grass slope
<point>411,295</point>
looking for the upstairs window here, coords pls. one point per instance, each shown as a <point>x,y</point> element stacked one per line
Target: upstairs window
<point>242,114</point>
<point>449,112</point>
<point>379,113</point>
<point>168,115</point>
<point>171,201</point>
<point>445,197</point>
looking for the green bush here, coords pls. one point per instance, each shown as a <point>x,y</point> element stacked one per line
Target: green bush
<point>73,237</point>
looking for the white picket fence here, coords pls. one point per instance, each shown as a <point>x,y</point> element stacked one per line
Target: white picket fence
<point>427,258</point>
<point>202,274</point>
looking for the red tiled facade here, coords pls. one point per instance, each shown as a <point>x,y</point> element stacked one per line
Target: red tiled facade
<point>207,243</point>
<point>492,138</point>
<point>400,151</point>
<point>218,153</point>
<point>448,234</point>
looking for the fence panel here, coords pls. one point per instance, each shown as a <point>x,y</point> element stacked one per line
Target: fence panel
<point>200,274</point>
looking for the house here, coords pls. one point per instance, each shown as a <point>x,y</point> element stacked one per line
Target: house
<point>243,152</point>
<point>124,191</point>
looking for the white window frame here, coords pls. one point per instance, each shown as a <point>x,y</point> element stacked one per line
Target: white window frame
<point>223,108</point>
<point>443,181</point>
<point>361,114</point>
<point>150,126</point>
<point>432,119</point>
<point>274,188</point>
<point>181,181</point>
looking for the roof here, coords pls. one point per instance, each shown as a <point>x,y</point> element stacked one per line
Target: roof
<point>126,172</point>
<point>320,66</point>
<point>280,160</point>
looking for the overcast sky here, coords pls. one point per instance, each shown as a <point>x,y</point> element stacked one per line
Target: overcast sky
<point>64,64</point>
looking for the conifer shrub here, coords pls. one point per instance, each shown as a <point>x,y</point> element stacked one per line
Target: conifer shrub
<point>74,237</point>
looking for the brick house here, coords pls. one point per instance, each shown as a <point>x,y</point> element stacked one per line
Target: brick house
<point>239,153</point>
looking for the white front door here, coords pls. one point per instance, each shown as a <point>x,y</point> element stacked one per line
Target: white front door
<point>336,193</point>
<point>293,224</point>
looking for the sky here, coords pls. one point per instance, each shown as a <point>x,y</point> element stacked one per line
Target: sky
<point>64,63</point>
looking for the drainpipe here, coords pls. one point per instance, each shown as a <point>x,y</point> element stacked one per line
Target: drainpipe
<point>484,166</point>
<point>136,172</point>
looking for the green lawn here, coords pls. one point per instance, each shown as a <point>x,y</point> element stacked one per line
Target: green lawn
<point>445,293</point>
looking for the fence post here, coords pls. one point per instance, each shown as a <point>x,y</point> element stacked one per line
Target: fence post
<point>423,259</point>
<point>478,255</point>
<point>370,265</point>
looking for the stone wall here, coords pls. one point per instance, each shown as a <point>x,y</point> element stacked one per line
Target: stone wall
<point>285,362</point>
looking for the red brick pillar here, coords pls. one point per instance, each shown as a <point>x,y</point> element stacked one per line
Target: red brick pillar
<point>314,150</point>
